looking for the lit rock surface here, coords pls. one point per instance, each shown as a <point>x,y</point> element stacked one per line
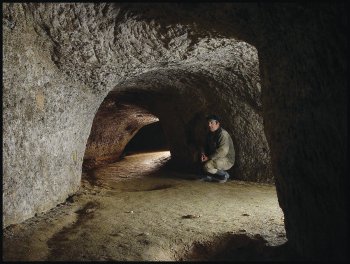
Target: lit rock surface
<point>180,62</point>
<point>113,127</point>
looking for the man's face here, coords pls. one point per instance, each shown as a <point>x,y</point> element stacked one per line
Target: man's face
<point>213,125</point>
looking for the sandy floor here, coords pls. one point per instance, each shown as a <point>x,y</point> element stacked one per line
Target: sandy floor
<point>136,210</point>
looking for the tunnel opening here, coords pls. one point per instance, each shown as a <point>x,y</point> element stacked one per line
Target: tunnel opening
<point>150,138</point>
<point>115,123</point>
<point>303,83</point>
<point>148,112</point>
<point>123,128</point>
<point>142,170</point>
<point>181,118</point>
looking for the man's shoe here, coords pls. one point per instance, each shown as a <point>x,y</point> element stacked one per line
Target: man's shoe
<point>225,179</point>
<point>206,178</point>
<point>222,181</point>
<point>221,176</point>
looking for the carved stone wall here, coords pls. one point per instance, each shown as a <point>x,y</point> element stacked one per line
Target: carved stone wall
<point>179,62</point>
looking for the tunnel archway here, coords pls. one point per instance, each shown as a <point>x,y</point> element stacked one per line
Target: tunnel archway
<point>115,123</point>
<point>149,138</point>
<point>185,94</point>
<point>300,110</point>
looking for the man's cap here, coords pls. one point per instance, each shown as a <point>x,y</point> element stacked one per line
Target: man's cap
<point>213,117</point>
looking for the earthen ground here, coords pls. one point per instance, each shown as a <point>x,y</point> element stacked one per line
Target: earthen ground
<point>138,210</point>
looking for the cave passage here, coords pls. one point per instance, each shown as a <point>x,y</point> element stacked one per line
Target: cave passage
<point>152,209</point>
<point>155,212</point>
<point>149,138</point>
<point>133,206</point>
<point>138,210</point>
<point>276,73</point>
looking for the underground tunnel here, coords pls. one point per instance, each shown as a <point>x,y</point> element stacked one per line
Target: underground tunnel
<point>149,138</point>
<point>114,125</point>
<point>80,80</point>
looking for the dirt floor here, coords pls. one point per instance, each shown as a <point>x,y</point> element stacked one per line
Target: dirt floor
<point>136,210</point>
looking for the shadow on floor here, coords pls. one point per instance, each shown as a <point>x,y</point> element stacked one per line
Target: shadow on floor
<point>239,247</point>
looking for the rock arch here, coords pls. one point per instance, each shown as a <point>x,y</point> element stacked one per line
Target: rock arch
<point>61,60</point>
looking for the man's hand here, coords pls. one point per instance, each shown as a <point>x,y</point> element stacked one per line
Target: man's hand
<point>204,157</point>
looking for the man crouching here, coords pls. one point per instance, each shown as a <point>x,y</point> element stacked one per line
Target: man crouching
<point>218,155</point>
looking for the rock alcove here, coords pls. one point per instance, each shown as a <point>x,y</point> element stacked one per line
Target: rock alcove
<point>177,62</point>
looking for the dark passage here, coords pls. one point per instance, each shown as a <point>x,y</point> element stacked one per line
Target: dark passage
<point>149,138</point>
